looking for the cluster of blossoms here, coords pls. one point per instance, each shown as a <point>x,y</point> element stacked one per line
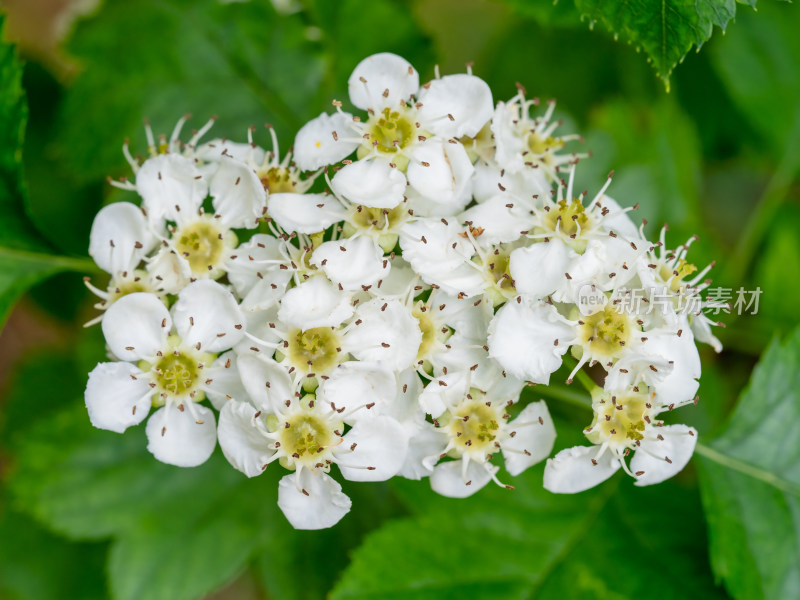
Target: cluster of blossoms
<point>378,301</point>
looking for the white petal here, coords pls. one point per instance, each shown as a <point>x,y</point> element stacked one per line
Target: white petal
<point>442,172</point>
<point>371,183</point>
<point>680,385</point>
<point>449,479</point>
<point>525,186</point>
<point>171,271</point>
<point>351,262</point>
<point>501,219</point>
<point>572,470</point>
<point>677,446</point>
<point>207,313</point>
<point>179,438</point>
<point>388,333</point>
<point>256,373</point>
<point>226,384</point>
<point>617,220</point>
<point>170,186</point>
<point>133,327</point>
<point>425,442</point>
<point>260,254</point>
<point>357,383</point>
<point>114,399</point>
<point>539,269</point>
<point>217,149</point>
<point>380,451</point>
<point>315,303</point>
<point>466,98</point>
<point>532,443</point>
<point>305,213</point>
<point>117,230</point>
<point>315,146</point>
<point>238,194</point>
<point>382,80</point>
<point>322,506</point>
<point>240,439</point>
<point>528,339</point>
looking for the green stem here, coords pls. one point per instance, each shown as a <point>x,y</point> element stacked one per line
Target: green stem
<point>563,394</point>
<point>747,469</point>
<point>64,263</point>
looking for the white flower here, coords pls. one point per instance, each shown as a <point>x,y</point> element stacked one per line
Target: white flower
<point>119,241</point>
<point>624,422</point>
<point>524,143</point>
<point>308,437</point>
<point>413,129</point>
<point>475,425</point>
<point>170,364</point>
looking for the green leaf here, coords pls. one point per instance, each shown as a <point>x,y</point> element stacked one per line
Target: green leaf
<point>751,482</point>
<point>305,564</point>
<point>15,227</point>
<point>758,65</point>
<point>23,261</point>
<point>528,543</point>
<point>665,30</point>
<point>36,565</point>
<point>242,61</point>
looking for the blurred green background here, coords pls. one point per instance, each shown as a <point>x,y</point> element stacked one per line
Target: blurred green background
<point>90,514</point>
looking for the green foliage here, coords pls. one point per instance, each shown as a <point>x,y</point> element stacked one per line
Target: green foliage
<point>22,262</point>
<point>751,482</point>
<point>667,30</point>
<point>758,64</point>
<point>528,543</point>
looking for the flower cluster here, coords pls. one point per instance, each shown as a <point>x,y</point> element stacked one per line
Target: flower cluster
<point>378,300</point>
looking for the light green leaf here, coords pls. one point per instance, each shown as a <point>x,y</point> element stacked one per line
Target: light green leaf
<point>751,482</point>
<point>665,30</point>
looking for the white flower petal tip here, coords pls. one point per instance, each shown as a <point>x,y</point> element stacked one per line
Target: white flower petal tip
<point>453,480</point>
<point>534,439</point>
<point>312,500</point>
<point>382,80</point>
<point>240,439</point>
<point>305,213</point>
<point>528,338</point>
<point>237,193</point>
<point>658,460</point>
<point>372,183</point>
<point>352,262</point>
<point>136,326</point>
<point>321,141</point>
<point>171,186</point>
<point>115,397</point>
<point>315,303</point>
<point>374,450</point>
<point>208,317</point>
<point>120,238</point>
<point>456,105</point>
<point>184,438</point>
<point>578,469</point>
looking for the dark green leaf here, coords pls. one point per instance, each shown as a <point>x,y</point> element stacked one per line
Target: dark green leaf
<point>36,565</point>
<point>751,482</point>
<point>241,61</point>
<point>528,543</point>
<point>665,30</point>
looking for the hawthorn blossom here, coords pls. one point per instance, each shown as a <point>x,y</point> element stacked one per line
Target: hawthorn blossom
<point>168,360</point>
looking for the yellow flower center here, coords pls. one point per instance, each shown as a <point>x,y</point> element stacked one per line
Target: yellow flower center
<point>314,350</point>
<point>606,332</point>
